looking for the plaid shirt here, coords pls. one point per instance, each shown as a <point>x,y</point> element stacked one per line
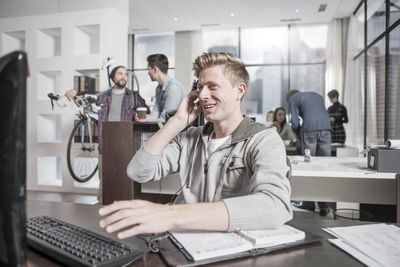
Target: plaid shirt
<point>127,111</point>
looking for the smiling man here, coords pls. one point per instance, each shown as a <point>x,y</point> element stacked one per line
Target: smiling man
<point>232,170</point>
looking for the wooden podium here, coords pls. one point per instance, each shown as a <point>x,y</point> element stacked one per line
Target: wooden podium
<point>121,140</point>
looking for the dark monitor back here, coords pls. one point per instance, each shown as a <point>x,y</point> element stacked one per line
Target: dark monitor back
<point>13,70</point>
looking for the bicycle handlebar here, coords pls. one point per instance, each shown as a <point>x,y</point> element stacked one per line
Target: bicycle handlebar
<point>78,99</point>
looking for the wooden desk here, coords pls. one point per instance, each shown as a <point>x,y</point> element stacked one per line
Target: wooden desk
<point>319,254</point>
<point>121,140</point>
<point>341,180</point>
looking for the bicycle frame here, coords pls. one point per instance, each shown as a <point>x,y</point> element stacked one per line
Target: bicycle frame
<point>85,114</point>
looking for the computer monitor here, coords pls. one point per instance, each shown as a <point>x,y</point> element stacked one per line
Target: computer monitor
<point>13,71</point>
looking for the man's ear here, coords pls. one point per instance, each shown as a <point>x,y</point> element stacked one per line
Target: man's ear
<point>241,90</point>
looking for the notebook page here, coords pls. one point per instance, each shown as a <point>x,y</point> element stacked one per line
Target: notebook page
<point>274,237</point>
<point>204,245</point>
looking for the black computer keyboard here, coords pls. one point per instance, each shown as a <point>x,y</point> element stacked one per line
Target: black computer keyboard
<point>76,246</point>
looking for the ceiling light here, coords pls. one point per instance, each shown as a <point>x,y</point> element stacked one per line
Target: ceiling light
<point>297,10</point>
<point>290,20</point>
<point>209,25</point>
<point>232,15</point>
<point>176,18</point>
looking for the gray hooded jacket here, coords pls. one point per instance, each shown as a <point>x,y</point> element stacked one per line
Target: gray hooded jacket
<point>248,174</point>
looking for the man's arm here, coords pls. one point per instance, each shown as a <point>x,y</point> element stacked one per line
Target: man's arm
<point>172,99</point>
<point>146,217</point>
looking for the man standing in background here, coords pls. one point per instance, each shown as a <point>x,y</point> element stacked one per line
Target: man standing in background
<point>169,91</point>
<point>314,133</point>
<point>116,104</point>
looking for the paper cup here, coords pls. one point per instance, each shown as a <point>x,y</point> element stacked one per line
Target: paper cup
<point>141,113</point>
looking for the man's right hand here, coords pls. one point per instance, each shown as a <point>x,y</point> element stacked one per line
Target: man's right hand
<point>186,113</point>
<point>188,110</point>
<point>70,94</point>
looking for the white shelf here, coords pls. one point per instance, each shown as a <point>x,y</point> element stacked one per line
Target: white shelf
<point>49,42</point>
<point>61,45</point>
<point>13,41</point>
<point>49,171</point>
<point>87,72</point>
<point>48,82</point>
<point>87,39</point>
<point>48,128</point>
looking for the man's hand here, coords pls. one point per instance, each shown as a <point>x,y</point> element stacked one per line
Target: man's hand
<point>70,94</point>
<point>188,110</point>
<point>331,119</point>
<point>136,217</point>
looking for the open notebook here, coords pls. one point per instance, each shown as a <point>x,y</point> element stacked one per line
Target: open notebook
<point>201,245</point>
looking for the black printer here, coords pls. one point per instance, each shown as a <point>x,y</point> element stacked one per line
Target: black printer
<point>384,159</point>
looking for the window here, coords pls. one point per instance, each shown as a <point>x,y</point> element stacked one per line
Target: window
<point>381,112</point>
<point>278,59</point>
<point>221,41</point>
<point>265,45</point>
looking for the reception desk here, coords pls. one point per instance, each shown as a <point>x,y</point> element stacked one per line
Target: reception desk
<point>120,142</point>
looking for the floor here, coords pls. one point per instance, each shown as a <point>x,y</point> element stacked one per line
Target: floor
<point>62,197</point>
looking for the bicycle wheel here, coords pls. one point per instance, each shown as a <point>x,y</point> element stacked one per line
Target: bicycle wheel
<point>82,158</point>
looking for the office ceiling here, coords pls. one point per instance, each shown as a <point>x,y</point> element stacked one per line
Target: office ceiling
<point>147,16</point>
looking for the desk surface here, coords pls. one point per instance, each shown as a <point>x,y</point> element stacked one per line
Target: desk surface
<point>319,254</point>
<point>335,179</point>
<point>352,167</point>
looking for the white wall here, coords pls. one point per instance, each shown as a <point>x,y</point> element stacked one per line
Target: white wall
<point>19,8</point>
<point>47,130</point>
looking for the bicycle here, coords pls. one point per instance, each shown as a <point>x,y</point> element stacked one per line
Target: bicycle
<point>82,154</point>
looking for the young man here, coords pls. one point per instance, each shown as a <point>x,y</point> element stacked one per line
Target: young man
<point>116,104</point>
<point>232,170</point>
<point>169,91</point>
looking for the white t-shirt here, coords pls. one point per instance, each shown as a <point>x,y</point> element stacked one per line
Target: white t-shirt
<point>214,144</point>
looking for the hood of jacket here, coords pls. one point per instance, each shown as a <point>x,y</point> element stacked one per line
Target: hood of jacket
<point>246,129</point>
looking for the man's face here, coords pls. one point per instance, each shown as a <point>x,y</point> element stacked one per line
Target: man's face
<point>121,78</point>
<point>218,98</point>
<point>152,72</point>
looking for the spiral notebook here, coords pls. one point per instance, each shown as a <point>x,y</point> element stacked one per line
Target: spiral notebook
<point>201,247</point>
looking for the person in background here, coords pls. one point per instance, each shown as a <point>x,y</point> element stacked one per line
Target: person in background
<point>269,118</point>
<point>169,91</point>
<point>337,116</point>
<point>233,171</point>
<point>314,133</point>
<point>116,104</point>
<point>283,128</point>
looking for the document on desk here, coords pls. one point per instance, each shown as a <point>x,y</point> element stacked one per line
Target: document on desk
<point>206,245</point>
<point>379,243</point>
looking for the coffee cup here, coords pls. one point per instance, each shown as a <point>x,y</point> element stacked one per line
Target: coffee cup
<point>141,113</point>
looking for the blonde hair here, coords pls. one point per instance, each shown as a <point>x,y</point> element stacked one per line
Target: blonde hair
<point>234,68</point>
